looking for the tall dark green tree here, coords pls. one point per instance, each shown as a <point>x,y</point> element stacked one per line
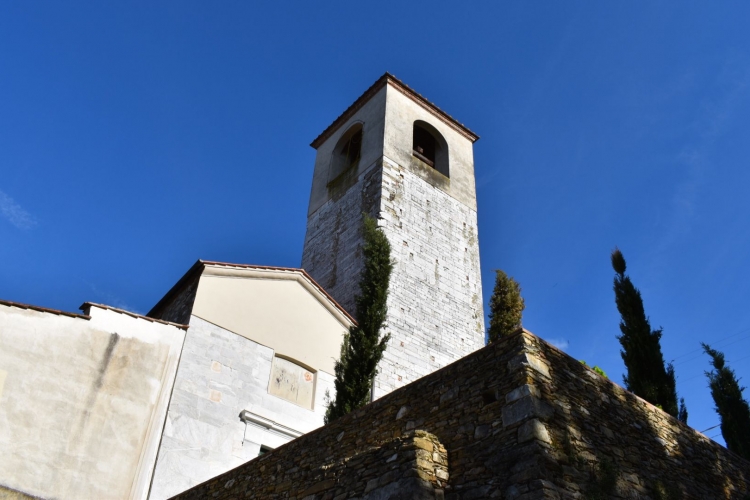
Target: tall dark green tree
<point>506,307</point>
<point>647,376</point>
<point>363,346</point>
<point>733,410</point>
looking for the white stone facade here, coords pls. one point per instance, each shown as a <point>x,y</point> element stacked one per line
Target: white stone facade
<point>435,305</point>
<point>221,375</point>
<point>435,313</point>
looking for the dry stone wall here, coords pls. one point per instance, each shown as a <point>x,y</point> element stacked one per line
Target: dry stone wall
<point>410,466</point>
<point>179,307</point>
<point>518,419</point>
<point>602,438</point>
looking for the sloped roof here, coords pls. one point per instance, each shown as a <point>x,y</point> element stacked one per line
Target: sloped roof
<point>389,79</point>
<point>85,308</point>
<point>87,305</point>
<point>43,309</point>
<point>197,269</point>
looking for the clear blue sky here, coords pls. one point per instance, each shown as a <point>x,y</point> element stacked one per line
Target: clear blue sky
<point>137,137</point>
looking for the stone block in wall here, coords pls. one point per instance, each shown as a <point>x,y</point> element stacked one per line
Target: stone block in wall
<point>524,408</point>
<point>529,360</point>
<point>533,429</point>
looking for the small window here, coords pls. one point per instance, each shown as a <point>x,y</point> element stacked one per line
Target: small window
<point>264,450</point>
<point>430,147</point>
<point>347,153</point>
<point>292,382</point>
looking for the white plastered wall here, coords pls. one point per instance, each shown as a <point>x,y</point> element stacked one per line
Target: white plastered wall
<point>371,115</point>
<point>400,114</point>
<point>83,402</point>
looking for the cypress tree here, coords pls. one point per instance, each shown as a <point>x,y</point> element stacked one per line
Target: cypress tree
<point>733,410</point>
<point>506,307</point>
<point>362,347</point>
<point>682,414</point>
<point>648,376</point>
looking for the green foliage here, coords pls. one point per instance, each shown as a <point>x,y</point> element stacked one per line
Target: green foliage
<point>647,376</point>
<point>733,410</point>
<point>506,307</point>
<point>603,481</point>
<point>569,451</point>
<point>596,369</point>
<point>663,491</point>
<point>362,347</point>
<point>682,414</point>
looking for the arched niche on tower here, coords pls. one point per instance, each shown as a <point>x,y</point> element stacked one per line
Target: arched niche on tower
<point>430,147</point>
<point>347,153</point>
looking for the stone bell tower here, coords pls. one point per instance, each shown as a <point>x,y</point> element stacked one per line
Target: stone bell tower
<point>398,157</point>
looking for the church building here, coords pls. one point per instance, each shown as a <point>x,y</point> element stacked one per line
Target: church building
<point>237,359</point>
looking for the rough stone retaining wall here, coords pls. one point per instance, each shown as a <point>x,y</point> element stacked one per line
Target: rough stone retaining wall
<point>596,429</point>
<point>414,465</point>
<point>518,419</point>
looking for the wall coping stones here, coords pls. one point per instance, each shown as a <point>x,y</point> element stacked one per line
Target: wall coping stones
<point>525,360</point>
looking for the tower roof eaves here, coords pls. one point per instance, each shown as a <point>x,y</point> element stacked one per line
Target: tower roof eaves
<point>384,80</point>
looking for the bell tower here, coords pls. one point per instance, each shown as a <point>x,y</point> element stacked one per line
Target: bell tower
<point>399,158</point>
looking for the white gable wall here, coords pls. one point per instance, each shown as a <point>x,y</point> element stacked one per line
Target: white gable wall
<point>242,318</point>
<point>276,309</point>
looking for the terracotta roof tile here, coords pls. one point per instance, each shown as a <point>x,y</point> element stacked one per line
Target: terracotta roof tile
<point>43,309</point>
<point>86,305</point>
<point>388,78</point>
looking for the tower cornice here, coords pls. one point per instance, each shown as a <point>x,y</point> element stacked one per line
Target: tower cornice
<point>389,79</point>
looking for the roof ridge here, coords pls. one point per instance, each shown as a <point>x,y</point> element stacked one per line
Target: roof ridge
<point>372,90</point>
<point>295,269</point>
<point>201,264</point>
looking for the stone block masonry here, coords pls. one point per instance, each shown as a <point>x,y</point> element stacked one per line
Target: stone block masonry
<point>435,302</point>
<point>435,313</point>
<point>221,374</point>
<point>414,465</point>
<point>332,252</point>
<point>518,419</point>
